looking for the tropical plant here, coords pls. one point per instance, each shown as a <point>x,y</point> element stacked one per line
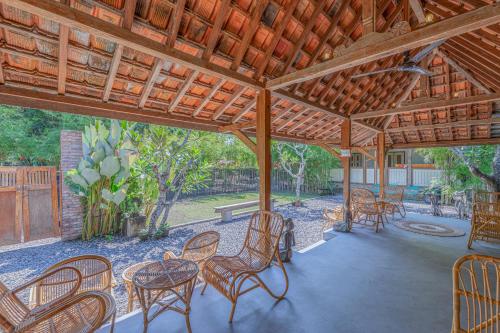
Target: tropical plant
<point>101,178</point>
<point>170,162</point>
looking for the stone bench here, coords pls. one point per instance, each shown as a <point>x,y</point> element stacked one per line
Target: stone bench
<point>227,211</point>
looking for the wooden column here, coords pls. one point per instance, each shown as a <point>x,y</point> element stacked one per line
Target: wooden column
<point>409,168</point>
<point>263,134</point>
<point>345,143</point>
<point>381,161</point>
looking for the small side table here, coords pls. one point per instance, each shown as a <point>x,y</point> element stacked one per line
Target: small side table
<point>129,285</point>
<point>156,280</point>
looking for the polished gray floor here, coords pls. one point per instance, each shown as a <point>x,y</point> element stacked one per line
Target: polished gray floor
<point>393,281</point>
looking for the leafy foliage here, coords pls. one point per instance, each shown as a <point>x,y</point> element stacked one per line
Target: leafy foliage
<point>101,178</point>
<point>458,176</point>
<point>31,137</point>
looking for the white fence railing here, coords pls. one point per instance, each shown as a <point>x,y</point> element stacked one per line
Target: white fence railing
<point>356,176</point>
<point>397,176</point>
<point>424,177</point>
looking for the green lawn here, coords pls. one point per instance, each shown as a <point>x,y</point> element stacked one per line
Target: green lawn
<point>201,208</point>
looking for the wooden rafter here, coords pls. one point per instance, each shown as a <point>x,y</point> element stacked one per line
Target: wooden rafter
<point>236,94</point>
<point>211,94</point>
<point>252,27</point>
<point>85,22</point>
<point>63,58</point>
<point>463,123</point>
<point>184,88</point>
<point>429,105</point>
<point>451,27</point>
<point>307,29</point>
<point>214,34</point>
<point>276,38</point>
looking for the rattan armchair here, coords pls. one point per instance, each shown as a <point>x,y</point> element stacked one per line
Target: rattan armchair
<point>97,275</point>
<point>199,249</point>
<point>228,274</point>
<point>365,209</point>
<point>393,199</point>
<point>485,217</point>
<point>333,217</point>
<point>67,313</point>
<point>476,294</point>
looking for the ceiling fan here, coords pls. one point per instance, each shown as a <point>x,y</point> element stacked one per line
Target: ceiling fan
<point>409,64</point>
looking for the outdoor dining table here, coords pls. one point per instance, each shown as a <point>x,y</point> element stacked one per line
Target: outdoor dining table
<point>169,285</point>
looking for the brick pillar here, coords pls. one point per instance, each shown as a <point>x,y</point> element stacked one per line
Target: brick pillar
<point>71,212</point>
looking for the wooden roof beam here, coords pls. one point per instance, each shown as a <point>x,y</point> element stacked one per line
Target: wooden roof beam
<point>75,18</point>
<point>462,123</point>
<point>184,88</point>
<point>426,35</point>
<point>63,59</point>
<point>236,94</point>
<point>447,143</point>
<point>128,19</point>
<point>207,99</point>
<point>467,75</point>
<point>247,39</point>
<point>426,105</point>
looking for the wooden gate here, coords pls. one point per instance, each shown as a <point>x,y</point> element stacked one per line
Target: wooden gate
<point>28,204</point>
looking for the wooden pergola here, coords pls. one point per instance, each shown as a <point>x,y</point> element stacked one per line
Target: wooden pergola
<point>280,69</point>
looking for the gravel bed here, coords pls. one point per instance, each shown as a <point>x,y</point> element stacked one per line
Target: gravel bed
<point>21,262</point>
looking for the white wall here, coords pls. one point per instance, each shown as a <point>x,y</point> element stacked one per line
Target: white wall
<point>397,176</point>
<point>337,175</point>
<point>357,175</point>
<point>424,177</point>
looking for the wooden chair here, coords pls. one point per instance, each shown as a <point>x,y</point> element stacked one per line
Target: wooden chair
<point>393,198</point>
<point>476,294</point>
<point>364,204</point>
<point>228,274</point>
<point>199,249</point>
<point>485,217</point>
<point>67,313</point>
<point>97,275</point>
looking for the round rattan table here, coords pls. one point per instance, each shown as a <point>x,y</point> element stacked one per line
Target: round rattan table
<point>169,284</point>
<point>127,276</point>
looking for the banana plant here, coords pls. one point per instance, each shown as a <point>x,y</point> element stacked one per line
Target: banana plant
<point>101,178</point>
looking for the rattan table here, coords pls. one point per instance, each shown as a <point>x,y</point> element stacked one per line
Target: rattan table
<point>168,284</point>
<point>127,276</point>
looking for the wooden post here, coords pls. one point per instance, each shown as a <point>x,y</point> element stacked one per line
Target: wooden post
<point>409,168</point>
<point>345,143</point>
<point>381,161</point>
<point>263,134</point>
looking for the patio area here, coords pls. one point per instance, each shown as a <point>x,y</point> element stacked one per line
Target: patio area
<point>391,281</point>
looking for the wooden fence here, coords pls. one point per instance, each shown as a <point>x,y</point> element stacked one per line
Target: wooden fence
<point>28,204</point>
<point>244,180</point>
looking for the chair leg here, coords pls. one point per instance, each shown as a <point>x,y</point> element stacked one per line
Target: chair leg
<point>471,238</point>
<point>204,288</point>
<point>113,319</point>
<point>231,315</point>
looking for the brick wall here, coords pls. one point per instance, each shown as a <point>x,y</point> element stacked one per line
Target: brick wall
<point>72,213</point>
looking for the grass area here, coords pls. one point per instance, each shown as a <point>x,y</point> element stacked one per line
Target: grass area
<point>202,207</point>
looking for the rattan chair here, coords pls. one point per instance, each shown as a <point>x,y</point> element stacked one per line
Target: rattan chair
<point>67,313</point>
<point>97,275</point>
<point>333,217</point>
<point>365,209</point>
<point>393,199</point>
<point>485,217</point>
<point>476,294</point>
<point>199,249</point>
<point>228,274</point>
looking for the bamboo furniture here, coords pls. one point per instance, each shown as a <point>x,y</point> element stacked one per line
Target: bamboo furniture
<point>175,278</point>
<point>485,217</point>
<point>393,197</point>
<point>364,204</point>
<point>476,294</point>
<point>228,274</point>
<point>333,217</point>
<point>68,312</point>
<point>97,275</point>
<point>199,249</point>
<point>127,276</point>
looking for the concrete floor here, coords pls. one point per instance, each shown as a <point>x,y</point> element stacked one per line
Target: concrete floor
<point>393,281</point>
